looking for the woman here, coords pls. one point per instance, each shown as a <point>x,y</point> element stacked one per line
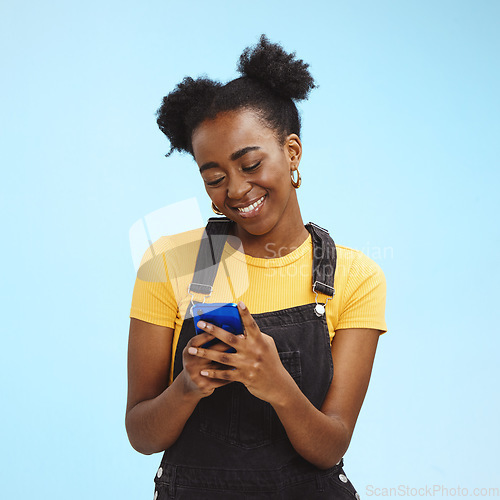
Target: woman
<point>266,419</point>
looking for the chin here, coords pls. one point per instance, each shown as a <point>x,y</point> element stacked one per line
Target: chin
<point>259,228</point>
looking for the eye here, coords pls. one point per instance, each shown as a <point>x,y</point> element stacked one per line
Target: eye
<point>245,169</point>
<point>214,183</point>
<point>253,167</point>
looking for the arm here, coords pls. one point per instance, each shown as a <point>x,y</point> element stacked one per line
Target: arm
<point>321,437</point>
<point>156,414</point>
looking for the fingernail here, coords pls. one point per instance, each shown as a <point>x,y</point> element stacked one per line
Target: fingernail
<point>204,373</point>
<point>242,306</point>
<point>201,324</point>
<point>192,350</point>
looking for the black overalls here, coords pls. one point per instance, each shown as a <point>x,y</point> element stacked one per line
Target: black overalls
<point>234,446</point>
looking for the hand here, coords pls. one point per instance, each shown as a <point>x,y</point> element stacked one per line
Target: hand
<point>256,362</point>
<point>194,382</point>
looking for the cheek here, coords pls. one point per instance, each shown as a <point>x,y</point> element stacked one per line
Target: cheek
<point>215,195</point>
<point>279,178</point>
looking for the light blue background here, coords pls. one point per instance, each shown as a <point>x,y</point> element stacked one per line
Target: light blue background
<point>401,160</point>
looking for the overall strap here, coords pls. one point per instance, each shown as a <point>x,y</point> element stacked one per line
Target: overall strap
<point>207,262</point>
<point>324,261</point>
<point>209,255</point>
<point>215,236</point>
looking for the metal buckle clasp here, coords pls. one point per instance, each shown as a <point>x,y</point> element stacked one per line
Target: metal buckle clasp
<point>319,309</point>
<point>205,295</point>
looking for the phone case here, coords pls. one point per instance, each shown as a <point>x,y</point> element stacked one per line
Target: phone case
<point>223,315</point>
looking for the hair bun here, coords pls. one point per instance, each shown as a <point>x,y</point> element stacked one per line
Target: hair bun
<point>181,108</point>
<point>269,63</point>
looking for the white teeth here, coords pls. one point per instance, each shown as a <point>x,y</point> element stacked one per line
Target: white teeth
<point>252,206</point>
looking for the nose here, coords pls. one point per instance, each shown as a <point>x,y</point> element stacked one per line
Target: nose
<point>238,187</point>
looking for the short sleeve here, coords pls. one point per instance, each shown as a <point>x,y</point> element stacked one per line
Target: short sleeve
<point>153,298</point>
<point>364,296</point>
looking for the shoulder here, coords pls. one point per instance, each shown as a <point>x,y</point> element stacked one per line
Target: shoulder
<point>168,252</point>
<point>356,260</point>
<point>357,266</point>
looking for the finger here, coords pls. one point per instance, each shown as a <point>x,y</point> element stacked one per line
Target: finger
<point>224,358</point>
<point>220,346</point>
<point>207,341</point>
<point>249,324</point>
<point>200,339</point>
<point>227,375</point>
<point>227,337</point>
<point>214,343</point>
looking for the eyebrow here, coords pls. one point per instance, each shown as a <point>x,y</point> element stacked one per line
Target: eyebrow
<point>234,156</point>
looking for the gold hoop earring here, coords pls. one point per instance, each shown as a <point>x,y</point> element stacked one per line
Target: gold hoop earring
<point>296,183</point>
<point>216,210</point>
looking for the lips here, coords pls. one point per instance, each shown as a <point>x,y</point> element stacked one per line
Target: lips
<point>251,209</point>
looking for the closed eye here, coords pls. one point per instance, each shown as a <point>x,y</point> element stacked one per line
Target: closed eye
<point>253,167</point>
<point>245,169</point>
<point>214,183</point>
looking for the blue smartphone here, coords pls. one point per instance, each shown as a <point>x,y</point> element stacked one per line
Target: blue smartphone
<point>223,315</point>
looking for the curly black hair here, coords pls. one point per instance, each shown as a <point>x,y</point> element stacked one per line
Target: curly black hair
<point>271,81</point>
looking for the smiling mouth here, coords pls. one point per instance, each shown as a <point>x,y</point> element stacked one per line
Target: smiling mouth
<point>251,209</point>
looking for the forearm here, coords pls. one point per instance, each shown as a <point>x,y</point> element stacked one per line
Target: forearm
<point>319,438</point>
<point>155,424</point>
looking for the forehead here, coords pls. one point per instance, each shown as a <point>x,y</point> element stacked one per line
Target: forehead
<point>229,132</point>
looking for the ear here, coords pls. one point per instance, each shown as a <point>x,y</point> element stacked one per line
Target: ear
<point>293,149</point>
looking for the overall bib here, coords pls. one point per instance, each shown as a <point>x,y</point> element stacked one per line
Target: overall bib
<point>234,446</point>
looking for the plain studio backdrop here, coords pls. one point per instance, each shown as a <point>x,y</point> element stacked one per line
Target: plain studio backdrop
<point>401,161</point>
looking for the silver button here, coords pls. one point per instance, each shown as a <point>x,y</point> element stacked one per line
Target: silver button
<point>319,309</point>
<point>357,496</point>
<point>343,478</point>
<point>159,473</point>
<point>156,495</point>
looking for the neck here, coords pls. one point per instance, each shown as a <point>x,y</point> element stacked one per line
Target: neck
<point>279,242</point>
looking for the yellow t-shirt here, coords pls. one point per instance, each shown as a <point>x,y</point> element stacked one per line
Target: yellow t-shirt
<point>161,295</point>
